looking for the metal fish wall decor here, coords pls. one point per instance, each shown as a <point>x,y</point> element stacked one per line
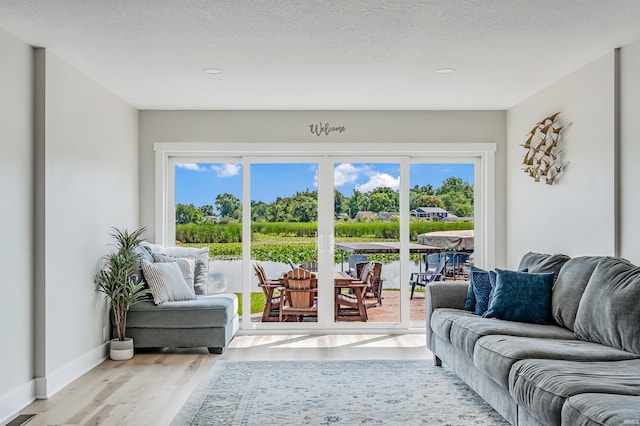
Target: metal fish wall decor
<point>542,159</point>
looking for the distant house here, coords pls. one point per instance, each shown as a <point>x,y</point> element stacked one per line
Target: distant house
<point>386,216</point>
<point>429,213</point>
<point>210,218</point>
<point>365,216</point>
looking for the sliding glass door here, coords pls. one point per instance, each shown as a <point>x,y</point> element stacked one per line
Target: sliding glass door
<point>206,211</point>
<point>367,220</point>
<point>355,223</point>
<point>441,208</point>
<point>284,235</point>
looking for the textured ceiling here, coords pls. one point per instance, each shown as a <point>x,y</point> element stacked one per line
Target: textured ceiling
<point>331,54</point>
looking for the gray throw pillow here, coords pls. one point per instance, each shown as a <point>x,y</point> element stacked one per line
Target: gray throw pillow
<point>166,282</point>
<point>187,266</point>
<point>201,256</point>
<point>609,311</point>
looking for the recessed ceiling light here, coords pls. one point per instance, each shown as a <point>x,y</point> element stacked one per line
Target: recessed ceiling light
<point>446,70</point>
<point>212,70</point>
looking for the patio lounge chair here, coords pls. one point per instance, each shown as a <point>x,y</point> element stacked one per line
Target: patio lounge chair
<point>423,278</point>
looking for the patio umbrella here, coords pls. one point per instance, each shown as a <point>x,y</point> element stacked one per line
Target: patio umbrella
<point>448,240</point>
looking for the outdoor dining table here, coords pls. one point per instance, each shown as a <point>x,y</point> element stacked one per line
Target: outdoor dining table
<point>341,281</point>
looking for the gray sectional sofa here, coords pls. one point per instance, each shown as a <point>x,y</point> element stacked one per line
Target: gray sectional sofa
<point>210,320</point>
<point>583,368</point>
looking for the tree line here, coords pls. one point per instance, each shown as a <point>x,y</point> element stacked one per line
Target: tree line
<point>454,195</point>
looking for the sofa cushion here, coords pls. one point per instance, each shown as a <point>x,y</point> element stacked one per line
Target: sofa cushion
<point>144,255</point>
<point>542,386</point>
<point>166,282</point>
<point>201,256</point>
<point>595,409</point>
<point>466,330</point>
<point>495,355</point>
<point>609,311</point>
<point>569,287</point>
<point>521,296</point>
<point>214,310</point>
<point>187,266</point>
<point>538,263</point>
<point>442,320</point>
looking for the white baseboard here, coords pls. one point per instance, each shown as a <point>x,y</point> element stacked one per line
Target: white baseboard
<point>45,387</point>
<point>12,403</point>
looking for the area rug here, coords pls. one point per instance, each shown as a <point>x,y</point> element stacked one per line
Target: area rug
<point>397,392</point>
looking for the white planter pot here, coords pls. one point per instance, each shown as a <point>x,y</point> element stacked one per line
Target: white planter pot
<point>121,350</point>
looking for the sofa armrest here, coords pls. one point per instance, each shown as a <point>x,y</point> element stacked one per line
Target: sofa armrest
<point>452,294</point>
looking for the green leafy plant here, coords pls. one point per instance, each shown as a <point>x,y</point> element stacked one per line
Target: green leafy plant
<point>119,279</point>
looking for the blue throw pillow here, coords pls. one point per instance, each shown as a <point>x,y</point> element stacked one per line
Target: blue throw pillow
<point>470,303</point>
<point>481,284</point>
<point>521,296</point>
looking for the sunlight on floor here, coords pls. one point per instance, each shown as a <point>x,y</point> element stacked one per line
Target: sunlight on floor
<point>328,346</point>
<point>329,341</point>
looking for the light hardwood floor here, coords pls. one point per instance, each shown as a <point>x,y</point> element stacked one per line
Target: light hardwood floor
<point>151,388</point>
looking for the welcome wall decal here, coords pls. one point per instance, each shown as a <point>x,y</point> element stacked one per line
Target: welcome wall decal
<point>326,129</point>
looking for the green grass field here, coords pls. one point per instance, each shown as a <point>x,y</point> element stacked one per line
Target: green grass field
<point>257,302</point>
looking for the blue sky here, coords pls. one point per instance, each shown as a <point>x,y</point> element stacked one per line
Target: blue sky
<point>200,183</point>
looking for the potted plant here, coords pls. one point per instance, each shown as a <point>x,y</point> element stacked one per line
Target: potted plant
<point>121,284</point>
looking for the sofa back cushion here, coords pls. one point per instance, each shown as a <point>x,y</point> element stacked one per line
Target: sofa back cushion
<point>569,287</point>
<point>538,263</point>
<point>609,312</point>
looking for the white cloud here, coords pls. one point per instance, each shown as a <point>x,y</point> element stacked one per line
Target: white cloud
<point>191,166</point>
<point>345,173</point>
<point>379,180</point>
<point>227,170</point>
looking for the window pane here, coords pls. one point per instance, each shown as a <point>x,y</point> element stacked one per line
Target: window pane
<point>208,208</point>
<point>441,199</point>
<point>366,211</point>
<point>284,216</point>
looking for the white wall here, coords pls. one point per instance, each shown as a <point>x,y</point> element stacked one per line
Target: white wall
<point>576,215</point>
<point>293,127</point>
<point>630,152</point>
<point>90,184</point>
<point>16,225</point>
<point>69,160</point>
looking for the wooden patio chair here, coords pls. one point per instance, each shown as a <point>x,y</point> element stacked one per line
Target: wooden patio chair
<point>348,302</point>
<point>374,290</point>
<point>309,265</point>
<point>269,287</point>
<point>354,259</point>
<point>298,295</point>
